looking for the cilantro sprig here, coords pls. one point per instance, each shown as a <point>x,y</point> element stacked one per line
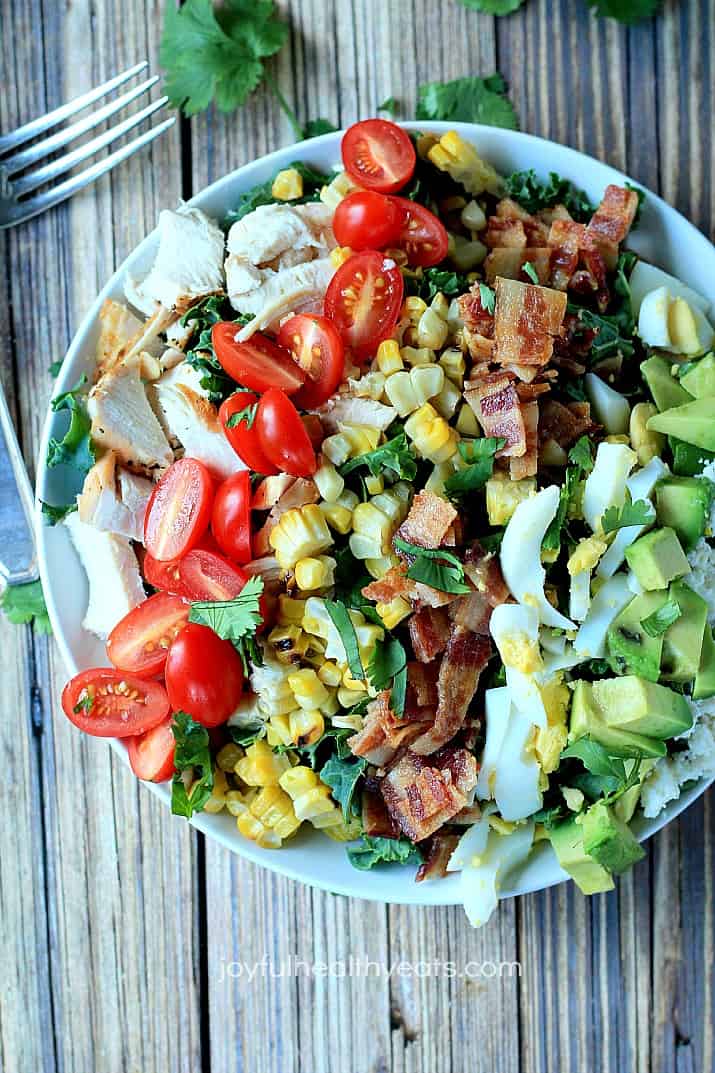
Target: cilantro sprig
<point>607,775</point>
<point>75,449</point>
<point>192,761</point>
<point>24,605</point>
<point>389,665</point>
<point>638,513</point>
<point>479,456</point>
<point>435,567</point>
<point>235,620</point>
<point>468,100</point>
<point>200,353</point>
<point>395,455</point>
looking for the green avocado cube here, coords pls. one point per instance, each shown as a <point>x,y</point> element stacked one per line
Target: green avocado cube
<point>665,389</point>
<point>683,503</point>
<point>631,650</point>
<point>694,422</point>
<point>609,840</point>
<point>705,678</point>
<point>657,559</point>
<point>586,718</point>
<point>588,875</point>
<point>632,703</point>
<point>683,641</point>
<point>700,380</point>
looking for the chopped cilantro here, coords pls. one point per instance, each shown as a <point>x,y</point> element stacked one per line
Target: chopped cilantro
<point>200,353</point>
<point>487,298</point>
<point>342,776</point>
<point>659,621</point>
<point>85,704</point>
<point>533,193</point>
<point>25,605</point>
<point>468,100</point>
<point>234,620</point>
<point>479,456</point>
<point>493,7</point>
<point>439,281</point>
<point>552,537</point>
<point>315,127</point>
<point>607,775</point>
<point>262,194</point>
<point>389,664</point>
<point>638,513</point>
<point>581,454</point>
<point>390,106</point>
<point>343,624</point>
<point>370,851</point>
<point>435,567</point>
<point>614,331</point>
<point>394,455</point>
<point>529,270</point>
<point>245,416</point>
<point>193,756</point>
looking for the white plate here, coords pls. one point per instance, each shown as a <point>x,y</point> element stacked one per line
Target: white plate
<point>664,237</point>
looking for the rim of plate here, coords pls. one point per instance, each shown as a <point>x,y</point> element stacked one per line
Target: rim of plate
<point>388,885</point>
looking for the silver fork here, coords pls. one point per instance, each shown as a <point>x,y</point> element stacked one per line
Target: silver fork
<point>17,183</point>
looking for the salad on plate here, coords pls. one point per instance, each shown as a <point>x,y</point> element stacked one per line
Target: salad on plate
<point>396,517</point>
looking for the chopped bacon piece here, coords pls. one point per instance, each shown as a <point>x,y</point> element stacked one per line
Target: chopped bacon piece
<point>509,263</point>
<point>428,521</point>
<point>473,314</point>
<point>526,466</point>
<point>383,733</point>
<point>422,683</point>
<point>465,657</point>
<point>527,318</point>
<point>496,406</point>
<point>527,392</point>
<point>505,233</point>
<point>612,221</point>
<point>376,820</point>
<point>440,849</point>
<point>567,238</point>
<point>469,815</point>
<point>562,423</point>
<point>421,797</point>
<point>473,612</point>
<point>483,570</point>
<point>429,633</point>
<point>387,588</point>
<point>508,210</point>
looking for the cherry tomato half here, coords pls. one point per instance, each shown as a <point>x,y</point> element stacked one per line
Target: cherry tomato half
<point>205,575</point>
<point>139,642</point>
<point>204,675</point>
<point>231,517</point>
<point>257,364</point>
<point>163,576</point>
<point>423,238</point>
<point>366,220</point>
<point>363,300</point>
<point>283,437</point>
<point>179,510</point>
<point>111,704</point>
<point>243,435</point>
<point>378,155</point>
<point>151,755</point>
<point>317,348</point>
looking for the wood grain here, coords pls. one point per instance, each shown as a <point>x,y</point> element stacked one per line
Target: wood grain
<point>125,942</point>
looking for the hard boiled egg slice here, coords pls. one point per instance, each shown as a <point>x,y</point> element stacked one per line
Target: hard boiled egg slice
<point>606,484</point>
<point>653,318</point>
<point>612,410</point>
<point>645,278</point>
<point>480,884</point>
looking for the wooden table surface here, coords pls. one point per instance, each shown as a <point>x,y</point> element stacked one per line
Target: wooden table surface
<point>124,936</point>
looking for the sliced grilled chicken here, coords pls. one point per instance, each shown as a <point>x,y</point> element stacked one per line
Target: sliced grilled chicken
<point>118,327</point>
<point>115,584</point>
<point>124,422</point>
<point>113,499</point>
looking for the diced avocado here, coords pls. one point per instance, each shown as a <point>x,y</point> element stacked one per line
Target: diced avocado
<point>586,718</point>
<point>683,641</point>
<point>705,678</point>
<point>587,873</point>
<point>632,703</point>
<point>700,380</point>
<point>665,389</point>
<point>684,504</point>
<point>688,461</point>
<point>657,559</point>
<point>626,804</point>
<point>694,422</point>
<point>630,649</point>
<point>609,840</point>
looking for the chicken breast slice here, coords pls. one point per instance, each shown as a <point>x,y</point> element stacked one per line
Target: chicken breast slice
<point>113,499</point>
<point>350,410</point>
<point>187,415</point>
<point>115,584</point>
<point>188,263</point>
<point>124,422</point>
<point>299,288</point>
<point>261,236</point>
<point>118,327</point>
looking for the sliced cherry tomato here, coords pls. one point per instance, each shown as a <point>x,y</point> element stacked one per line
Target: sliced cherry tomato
<point>231,517</point>
<point>366,220</point>
<point>205,575</point>
<point>163,576</point>
<point>151,755</point>
<point>316,346</point>
<point>378,155</point>
<point>179,510</point>
<point>243,436</point>
<point>258,363</point>
<point>111,704</point>
<point>139,642</point>
<point>363,300</point>
<point>282,435</point>
<point>204,675</point>
<point>423,238</point>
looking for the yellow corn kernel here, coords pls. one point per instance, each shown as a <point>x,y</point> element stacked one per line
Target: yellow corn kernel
<point>369,386</point>
<point>440,305</point>
<point>417,355</point>
<point>332,194</point>
<point>287,185</point>
<point>645,443</point>
<point>307,688</point>
<point>228,757</point>
<point>289,643</point>
<point>301,532</point>
<point>391,503</point>
<point>425,143</point>
<point>330,674</point>
<point>393,612</point>
<point>431,434</point>
<point>400,393</point>
<point>338,518</point>
<point>472,216</point>
<point>328,481</point>
<point>278,731</point>
<point>311,797</point>
<point>467,424</point>
<point>340,255</point>
<point>256,831</point>
<point>452,361</point>
<point>261,766</point>
<point>427,381</point>
<point>432,330</point>
<point>363,546</point>
<point>356,684</point>
<point>362,438</point>
<point>348,499</point>
<point>336,448</point>
<point>466,253</point>
<point>290,611</point>
<point>620,438</point>
<point>306,726</point>
<point>436,480</point>
<point>504,496</point>
<point>462,162</point>
<point>369,521</point>
<point>274,808</point>
<point>315,573</point>
<point>348,697</point>
<point>413,308</point>
<point>217,801</point>
<point>447,400</point>
<point>378,567</point>
<point>388,357</point>
<point>375,485</point>
<point>236,802</point>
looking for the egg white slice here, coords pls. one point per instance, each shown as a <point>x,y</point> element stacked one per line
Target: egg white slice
<point>480,883</point>
<point>606,484</point>
<point>640,486</point>
<point>609,601</point>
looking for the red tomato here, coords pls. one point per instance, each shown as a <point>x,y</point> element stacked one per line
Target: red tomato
<point>378,155</point>
<point>139,642</point>
<point>317,348</point>
<point>204,575</point>
<point>204,675</point>
<point>163,576</point>
<point>243,436</point>
<point>178,512</point>
<point>151,755</point>
<point>258,363</point>
<point>283,437</point>
<point>111,704</point>
<point>423,238</point>
<point>367,220</point>
<point>231,517</point>
<point>363,300</point>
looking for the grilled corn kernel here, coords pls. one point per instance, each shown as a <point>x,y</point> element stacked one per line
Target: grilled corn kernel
<point>364,547</point>
<point>261,766</point>
<point>330,674</point>
<point>236,802</point>
<point>401,394</point>
<point>427,381</point>
<point>300,533</point>
<point>332,194</point>
<point>447,400</point>
<point>504,496</point>
<point>440,305</point>
<point>362,438</point>
<point>328,481</point>
<point>274,808</point>
<point>307,688</point>
<point>391,504</point>
<point>228,757</point>
<point>289,643</point>
<point>348,499</point>
<point>413,308</point>
<point>290,611</point>
<point>312,573</point>
<point>452,361</point>
<point>256,831</point>
<point>375,485</point>
<point>336,448</point>
<point>645,443</point>
<point>393,612</point>
<point>340,255</point>
<point>306,726</point>
<point>431,434</point>
<point>467,424</point>
<point>287,185</point>
<point>338,518</point>
<point>432,330</point>
<point>378,566</point>
<point>416,355</point>
<point>462,162</point>
<point>349,697</point>
<point>369,521</point>
<point>217,800</point>
<point>466,253</point>
<point>369,386</point>
<point>438,476</point>
<point>388,357</point>
<point>356,684</point>
<point>311,797</point>
<point>472,216</point>
<point>278,731</point>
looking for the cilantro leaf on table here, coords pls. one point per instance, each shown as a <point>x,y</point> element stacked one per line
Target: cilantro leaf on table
<point>389,665</point>
<point>468,100</point>
<point>342,776</point>
<point>25,605</point>
<point>628,11</point>
<point>638,513</point>
<point>343,624</point>
<point>479,456</point>
<point>493,7</point>
<point>234,620</point>
<point>193,756</point>
<point>315,127</point>
<point>435,567</point>
<point>371,850</point>
<point>394,455</point>
<point>533,193</point>
<point>390,106</point>
<point>75,448</point>
<point>659,621</point>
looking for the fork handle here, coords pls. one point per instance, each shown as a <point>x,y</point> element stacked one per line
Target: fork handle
<point>18,562</point>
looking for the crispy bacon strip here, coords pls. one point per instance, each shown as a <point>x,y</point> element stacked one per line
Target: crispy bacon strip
<point>376,820</point>
<point>465,657</point>
<point>474,316</point>
<point>473,612</point>
<point>429,633</point>
<point>505,233</point>
<point>530,391</point>
<point>526,320</point>
<point>495,403</point>
<point>428,521</point>
<point>434,866</point>
<point>612,221</point>
<point>383,733</point>
<point>421,795</point>
<point>562,423</point>
<point>391,585</point>
<point>526,466</point>
<point>506,262</point>
<point>483,570</point>
<point>566,238</point>
<point>508,210</point>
